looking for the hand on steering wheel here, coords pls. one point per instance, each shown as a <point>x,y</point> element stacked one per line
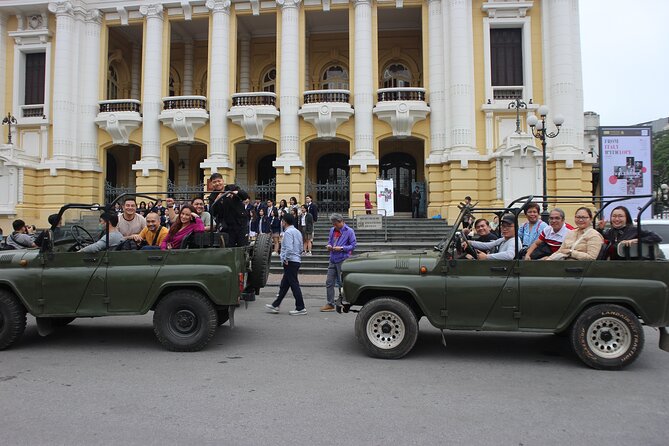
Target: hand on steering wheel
<point>82,236</point>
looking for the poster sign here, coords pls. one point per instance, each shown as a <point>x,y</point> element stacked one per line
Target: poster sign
<point>625,166</point>
<point>371,222</point>
<point>385,196</point>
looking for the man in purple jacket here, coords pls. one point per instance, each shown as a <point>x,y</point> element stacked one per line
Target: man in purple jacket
<point>341,244</point>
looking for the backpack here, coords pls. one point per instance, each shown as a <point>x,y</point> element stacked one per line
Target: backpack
<point>4,246</point>
<point>127,245</point>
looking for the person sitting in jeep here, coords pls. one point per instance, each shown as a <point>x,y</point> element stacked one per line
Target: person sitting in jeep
<point>108,223</point>
<point>19,239</point>
<point>503,248</point>
<point>186,223</point>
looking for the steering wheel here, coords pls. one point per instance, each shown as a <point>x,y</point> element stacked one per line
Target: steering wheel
<point>82,236</point>
<point>459,239</point>
<point>471,251</point>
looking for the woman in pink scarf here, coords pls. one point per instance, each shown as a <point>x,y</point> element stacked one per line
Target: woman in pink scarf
<point>187,223</point>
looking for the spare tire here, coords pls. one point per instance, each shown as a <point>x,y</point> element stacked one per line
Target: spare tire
<point>260,262</point>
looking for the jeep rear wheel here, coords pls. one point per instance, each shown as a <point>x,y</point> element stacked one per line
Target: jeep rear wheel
<point>12,319</point>
<point>387,328</point>
<point>260,263</point>
<point>607,337</point>
<point>184,321</point>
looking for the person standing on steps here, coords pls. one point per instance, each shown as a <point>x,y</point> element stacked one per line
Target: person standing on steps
<point>341,244</point>
<point>415,203</point>
<point>291,258</point>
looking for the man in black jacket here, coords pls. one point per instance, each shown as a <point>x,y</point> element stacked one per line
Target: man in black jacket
<point>311,207</point>
<point>226,205</point>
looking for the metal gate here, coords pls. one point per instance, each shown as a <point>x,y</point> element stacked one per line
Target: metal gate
<point>331,196</point>
<point>186,192</point>
<point>111,192</point>
<point>263,192</point>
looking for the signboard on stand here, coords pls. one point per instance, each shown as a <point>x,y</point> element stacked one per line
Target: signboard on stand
<point>385,196</point>
<point>625,166</point>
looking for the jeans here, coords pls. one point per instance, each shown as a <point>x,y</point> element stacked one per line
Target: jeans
<point>289,280</point>
<point>333,278</point>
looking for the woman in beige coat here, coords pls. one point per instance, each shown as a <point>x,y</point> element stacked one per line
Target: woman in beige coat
<point>584,243</point>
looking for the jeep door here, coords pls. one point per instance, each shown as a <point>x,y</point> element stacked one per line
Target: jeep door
<point>546,289</point>
<point>130,275</point>
<point>481,294</point>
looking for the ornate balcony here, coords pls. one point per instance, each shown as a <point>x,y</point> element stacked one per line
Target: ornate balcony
<point>401,107</point>
<point>119,118</point>
<point>507,93</point>
<point>184,115</point>
<point>253,112</point>
<point>326,110</point>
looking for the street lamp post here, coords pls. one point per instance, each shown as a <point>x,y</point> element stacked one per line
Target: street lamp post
<point>539,131</point>
<point>9,121</point>
<point>518,104</point>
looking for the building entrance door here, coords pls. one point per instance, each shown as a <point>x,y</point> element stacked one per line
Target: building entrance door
<point>401,168</point>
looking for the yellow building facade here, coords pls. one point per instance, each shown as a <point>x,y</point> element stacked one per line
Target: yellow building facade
<point>287,98</point>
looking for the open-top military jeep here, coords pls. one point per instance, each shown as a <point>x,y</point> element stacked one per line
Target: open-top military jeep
<point>600,304</point>
<point>191,290</point>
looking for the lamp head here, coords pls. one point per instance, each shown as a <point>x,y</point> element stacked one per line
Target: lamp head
<point>532,120</point>
<point>543,111</point>
<point>558,120</point>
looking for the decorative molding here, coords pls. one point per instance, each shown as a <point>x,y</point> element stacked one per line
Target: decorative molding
<point>187,9</point>
<point>255,6</point>
<point>504,9</point>
<point>123,15</point>
<point>154,11</point>
<point>218,6</point>
<point>326,117</point>
<point>401,115</point>
<point>184,122</point>
<point>254,119</point>
<point>61,8</point>
<point>288,3</point>
<point>119,125</point>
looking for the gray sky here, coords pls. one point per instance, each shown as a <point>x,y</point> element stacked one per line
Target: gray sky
<point>625,47</point>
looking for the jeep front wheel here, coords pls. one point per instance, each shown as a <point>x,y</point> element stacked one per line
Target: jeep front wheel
<point>12,319</point>
<point>607,337</point>
<point>387,328</point>
<point>184,321</point>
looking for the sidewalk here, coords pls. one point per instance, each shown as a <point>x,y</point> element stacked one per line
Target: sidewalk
<point>306,280</point>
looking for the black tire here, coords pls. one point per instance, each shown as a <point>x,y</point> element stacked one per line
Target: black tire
<point>607,337</point>
<point>184,321</point>
<point>260,262</point>
<point>387,328</point>
<point>223,316</point>
<point>12,319</point>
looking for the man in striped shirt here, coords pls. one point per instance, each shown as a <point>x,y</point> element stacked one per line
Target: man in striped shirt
<point>551,237</point>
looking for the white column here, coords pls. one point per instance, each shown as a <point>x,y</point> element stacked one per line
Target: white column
<point>564,83</point>
<point>363,86</point>
<point>63,106</point>
<point>88,108</point>
<point>445,20</point>
<point>135,71</point>
<point>188,68</point>
<point>436,67</point>
<point>152,90</point>
<point>245,64</point>
<point>307,74</point>
<point>3,63</point>
<point>289,86</point>
<point>219,87</point>
<point>461,89</point>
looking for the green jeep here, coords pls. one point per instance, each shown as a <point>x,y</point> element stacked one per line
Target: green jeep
<point>191,290</point>
<point>600,305</point>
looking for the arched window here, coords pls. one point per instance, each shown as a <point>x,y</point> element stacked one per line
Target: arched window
<point>269,80</point>
<point>112,83</point>
<point>396,75</point>
<point>335,77</point>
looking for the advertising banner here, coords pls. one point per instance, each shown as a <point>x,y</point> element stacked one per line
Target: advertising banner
<point>625,166</point>
<point>385,196</point>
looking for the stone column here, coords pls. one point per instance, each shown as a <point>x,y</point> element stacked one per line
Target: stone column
<point>219,86</point>
<point>135,74</point>
<point>436,70</point>
<point>307,74</point>
<point>245,64</point>
<point>152,90</point>
<point>289,87</point>
<point>363,86</point>
<point>88,108</point>
<point>461,88</point>
<point>3,63</point>
<point>63,106</point>
<point>562,72</point>
<point>188,68</point>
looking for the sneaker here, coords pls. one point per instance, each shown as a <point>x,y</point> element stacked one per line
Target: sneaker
<point>308,253</point>
<point>274,253</point>
<point>298,312</point>
<point>271,308</point>
<point>327,308</point>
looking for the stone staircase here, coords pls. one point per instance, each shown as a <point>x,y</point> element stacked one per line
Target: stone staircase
<point>404,233</point>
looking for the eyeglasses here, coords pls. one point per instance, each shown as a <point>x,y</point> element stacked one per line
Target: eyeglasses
<point>582,217</point>
<point>555,218</point>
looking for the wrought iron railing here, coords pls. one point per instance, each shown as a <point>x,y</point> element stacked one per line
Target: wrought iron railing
<point>184,102</point>
<point>185,192</point>
<point>263,191</point>
<point>111,192</point>
<point>120,105</point>
<point>32,111</point>
<point>331,196</point>
<point>401,94</point>
<point>255,98</point>
<point>507,93</point>
<point>316,96</point>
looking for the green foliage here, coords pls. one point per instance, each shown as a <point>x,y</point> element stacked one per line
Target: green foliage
<point>660,158</point>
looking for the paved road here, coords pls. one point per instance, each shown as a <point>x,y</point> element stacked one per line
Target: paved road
<point>277,379</point>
